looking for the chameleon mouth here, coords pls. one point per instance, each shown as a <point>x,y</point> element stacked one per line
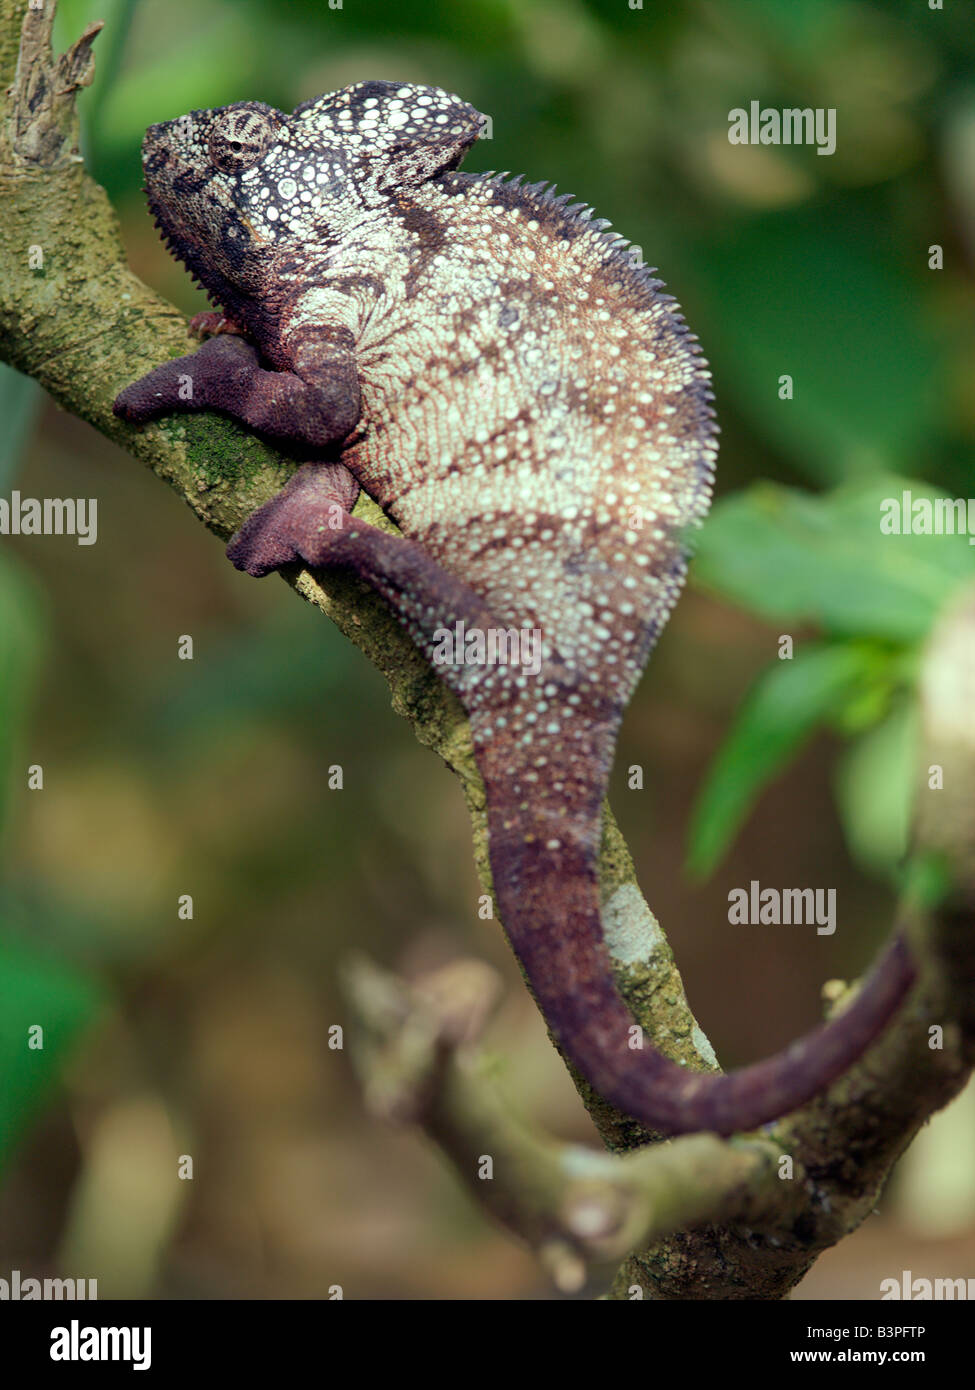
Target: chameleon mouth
<point>173,194</point>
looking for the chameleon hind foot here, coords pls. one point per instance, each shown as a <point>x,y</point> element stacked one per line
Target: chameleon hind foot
<point>298,525</point>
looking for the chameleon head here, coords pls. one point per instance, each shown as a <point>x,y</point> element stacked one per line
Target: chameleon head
<point>229,186</point>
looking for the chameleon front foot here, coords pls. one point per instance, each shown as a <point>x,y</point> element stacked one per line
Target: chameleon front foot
<point>217,375</point>
<point>225,374</point>
<point>300,524</point>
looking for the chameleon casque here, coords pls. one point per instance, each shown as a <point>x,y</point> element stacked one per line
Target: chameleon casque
<point>499,373</point>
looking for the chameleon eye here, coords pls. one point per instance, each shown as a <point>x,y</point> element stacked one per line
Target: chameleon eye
<point>238,138</point>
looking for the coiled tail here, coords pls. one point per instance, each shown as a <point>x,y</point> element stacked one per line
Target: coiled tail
<point>544,854</point>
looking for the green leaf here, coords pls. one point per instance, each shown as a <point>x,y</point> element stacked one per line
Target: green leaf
<point>875,786</point>
<point>781,710</point>
<point>35,992</point>
<point>786,555</point>
<point>818,293</point>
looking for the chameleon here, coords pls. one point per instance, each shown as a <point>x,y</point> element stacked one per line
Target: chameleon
<point>498,370</point>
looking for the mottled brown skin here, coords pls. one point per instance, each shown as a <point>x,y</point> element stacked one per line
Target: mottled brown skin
<point>500,374</point>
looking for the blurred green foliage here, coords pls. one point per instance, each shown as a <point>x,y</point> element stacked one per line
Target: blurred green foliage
<point>20,398</point>
<point>37,989</point>
<point>823,560</point>
<point>785,262</point>
<point>36,993</point>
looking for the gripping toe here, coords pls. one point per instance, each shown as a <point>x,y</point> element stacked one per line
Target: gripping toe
<point>300,524</point>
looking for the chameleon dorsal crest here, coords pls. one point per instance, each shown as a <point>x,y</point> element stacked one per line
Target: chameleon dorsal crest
<point>495,368</point>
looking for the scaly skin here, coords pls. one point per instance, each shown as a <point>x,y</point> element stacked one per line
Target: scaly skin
<point>499,373</point>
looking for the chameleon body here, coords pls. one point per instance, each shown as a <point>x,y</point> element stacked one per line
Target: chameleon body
<point>496,369</point>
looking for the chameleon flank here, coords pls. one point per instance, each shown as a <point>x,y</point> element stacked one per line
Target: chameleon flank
<point>492,365</point>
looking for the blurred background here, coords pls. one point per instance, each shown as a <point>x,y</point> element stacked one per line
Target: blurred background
<point>208,777</point>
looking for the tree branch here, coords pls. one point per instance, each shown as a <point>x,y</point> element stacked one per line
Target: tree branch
<point>415,1049</point>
